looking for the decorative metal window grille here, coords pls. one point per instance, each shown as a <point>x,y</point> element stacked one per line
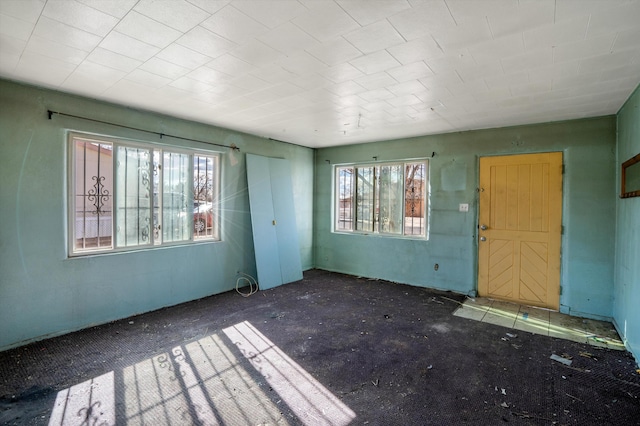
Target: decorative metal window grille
<point>92,222</point>
<point>383,198</point>
<point>129,195</point>
<point>205,197</point>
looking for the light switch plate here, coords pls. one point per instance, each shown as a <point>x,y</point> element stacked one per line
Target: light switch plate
<point>464,207</point>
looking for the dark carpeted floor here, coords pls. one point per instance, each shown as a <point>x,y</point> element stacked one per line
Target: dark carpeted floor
<point>330,349</point>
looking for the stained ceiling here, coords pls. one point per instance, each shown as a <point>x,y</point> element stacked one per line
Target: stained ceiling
<point>323,73</point>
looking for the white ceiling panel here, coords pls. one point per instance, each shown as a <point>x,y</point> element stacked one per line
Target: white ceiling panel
<point>332,72</point>
<point>375,62</point>
<point>232,24</point>
<point>256,53</point>
<point>80,16</point>
<point>178,14</point>
<point>50,49</point>
<point>25,10</point>
<point>14,27</point>
<point>335,51</point>
<point>116,8</point>
<point>425,19</point>
<point>12,49</point>
<point>164,68</point>
<point>528,15</point>
<point>374,37</point>
<point>29,67</point>
<point>92,76</point>
<point>412,71</point>
<point>147,30</point>
<point>114,60</point>
<point>148,79</point>
<point>288,39</point>
<point>325,20</point>
<point>364,14</point>
<point>272,13</point>
<point>64,34</point>
<point>206,42</point>
<point>183,56</point>
<point>425,48</point>
<point>128,46</point>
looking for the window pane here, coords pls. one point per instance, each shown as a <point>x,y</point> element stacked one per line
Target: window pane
<point>344,208</point>
<point>157,188</point>
<point>93,189</point>
<point>415,198</point>
<point>133,197</point>
<point>176,187</point>
<point>364,198</point>
<point>389,202</point>
<point>205,197</point>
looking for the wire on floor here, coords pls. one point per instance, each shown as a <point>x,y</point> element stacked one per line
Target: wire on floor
<point>253,284</point>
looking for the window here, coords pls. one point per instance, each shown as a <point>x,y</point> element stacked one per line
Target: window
<point>386,198</point>
<point>127,195</point>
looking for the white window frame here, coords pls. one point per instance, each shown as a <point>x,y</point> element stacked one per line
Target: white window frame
<point>346,208</point>
<point>153,178</point>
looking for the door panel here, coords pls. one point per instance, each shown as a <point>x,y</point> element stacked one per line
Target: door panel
<point>521,211</point>
<point>275,235</point>
<point>265,240</point>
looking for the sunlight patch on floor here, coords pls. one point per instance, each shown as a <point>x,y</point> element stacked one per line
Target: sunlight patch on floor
<point>235,377</point>
<point>541,321</point>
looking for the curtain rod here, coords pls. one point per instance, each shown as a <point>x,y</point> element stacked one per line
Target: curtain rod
<point>232,146</point>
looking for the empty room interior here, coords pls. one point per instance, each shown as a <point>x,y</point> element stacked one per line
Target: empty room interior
<point>306,212</point>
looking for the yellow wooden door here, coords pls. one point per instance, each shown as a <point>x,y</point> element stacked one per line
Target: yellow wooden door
<point>520,228</point>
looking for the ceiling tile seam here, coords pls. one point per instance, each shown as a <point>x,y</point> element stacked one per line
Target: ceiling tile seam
<point>31,34</point>
<point>134,9</point>
<point>486,18</point>
<point>230,4</point>
<point>76,66</point>
<point>107,13</point>
<point>62,43</point>
<point>154,20</point>
<point>450,13</point>
<point>291,21</point>
<point>113,29</point>
<point>177,41</point>
<point>319,59</point>
<point>337,3</point>
<point>396,30</point>
<point>42,13</point>
<point>147,61</point>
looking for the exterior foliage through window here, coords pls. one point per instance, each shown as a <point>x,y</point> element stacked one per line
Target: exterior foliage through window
<point>128,195</point>
<point>389,198</point>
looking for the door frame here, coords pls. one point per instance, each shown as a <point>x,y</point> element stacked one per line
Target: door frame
<point>561,219</point>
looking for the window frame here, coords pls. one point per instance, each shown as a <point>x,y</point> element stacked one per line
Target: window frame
<point>156,205</point>
<point>337,200</point>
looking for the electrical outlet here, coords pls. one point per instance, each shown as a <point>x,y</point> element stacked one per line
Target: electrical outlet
<point>464,207</point>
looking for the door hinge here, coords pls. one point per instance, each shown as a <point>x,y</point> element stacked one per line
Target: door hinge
<point>561,229</point>
<point>563,169</point>
<point>560,290</point>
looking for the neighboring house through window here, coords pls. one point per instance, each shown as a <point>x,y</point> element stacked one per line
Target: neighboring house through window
<point>387,198</point>
<point>127,195</point>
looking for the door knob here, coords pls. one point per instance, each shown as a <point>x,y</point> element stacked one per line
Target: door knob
<point>483,227</point>
<point>483,238</point>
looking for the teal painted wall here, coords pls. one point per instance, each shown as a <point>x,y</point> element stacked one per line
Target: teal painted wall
<point>588,202</point>
<point>626,296</point>
<point>42,291</point>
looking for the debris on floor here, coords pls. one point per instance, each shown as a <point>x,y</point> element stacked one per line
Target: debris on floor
<point>560,359</point>
<point>340,349</point>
